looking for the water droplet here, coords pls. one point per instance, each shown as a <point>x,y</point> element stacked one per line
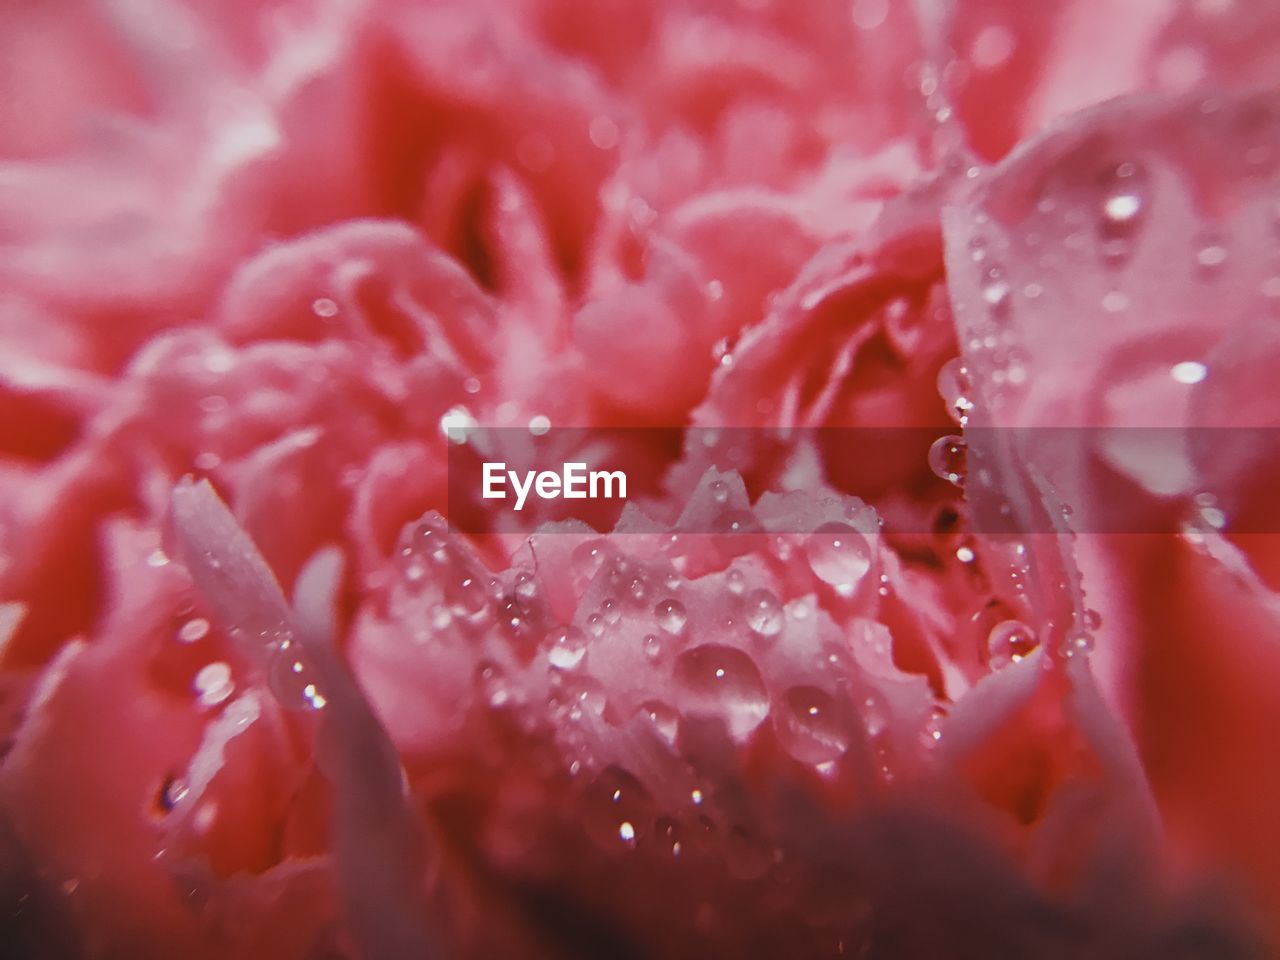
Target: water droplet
<point>312,697</point>
<point>839,556</point>
<point>1211,258</point>
<point>513,619</point>
<point>526,587</point>
<point>493,685</point>
<point>947,459</point>
<point>157,558</point>
<point>595,625</point>
<point>603,132</point>
<point>1122,209</point>
<point>875,715</point>
<point>736,581</point>
<point>213,684</point>
<point>637,589</point>
<point>466,596</point>
<point>1115,301</point>
<point>457,423</point>
<point>992,47</point>
<point>617,811</point>
<point>808,726</point>
<point>671,616</point>
<point>764,613</point>
<point>956,389</point>
<point>652,647</point>
<point>932,732</point>
<point>1008,642</point>
<point>324,307</point>
<point>664,719</point>
<point>1092,619</point>
<point>568,647</point>
<point>723,681</point>
<point>719,491</point>
<point>1188,371</point>
<point>587,558</point>
<point>1077,644</point>
<point>996,294</point>
<point>194,629</point>
<point>870,14</point>
<point>736,521</point>
<point>669,836</point>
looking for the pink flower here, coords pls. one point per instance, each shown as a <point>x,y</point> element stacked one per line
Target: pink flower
<point>269,688</point>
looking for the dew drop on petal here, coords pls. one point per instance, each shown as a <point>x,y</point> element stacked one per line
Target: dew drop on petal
<point>764,612</point>
<point>213,684</point>
<point>808,727</point>
<point>1077,644</point>
<point>1008,642</point>
<point>466,596</point>
<point>1189,372</point>
<point>947,459</point>
<point>568,647</point>
<point>875,715</point>
<point>493,686</point>
<point>838,555</point>
<point>457,423</point>
<point>956,389</point>
<point>671,616</point>
<point>723,681</point>
<point>663,717</point>
<point>1210,258</point>
<point>194,629</point>
<point>587,558</point>
<point>997,294</point>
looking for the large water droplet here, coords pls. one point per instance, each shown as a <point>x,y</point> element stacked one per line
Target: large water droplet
<point>1008,642</point>
<point>764,612</point>
<point>808,727</point>
<point>671,615</point>
<point>466,596</point>
<point>617,811</point>
<point>839,555</point>
<point>723,681</point>
<point>587,558</point>
<point>947,459</point>
<point>568,647</point>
